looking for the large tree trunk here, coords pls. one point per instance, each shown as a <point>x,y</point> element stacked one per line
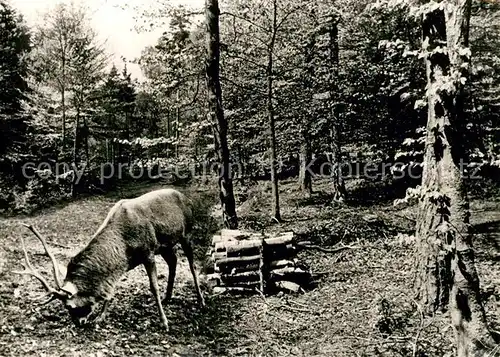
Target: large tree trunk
<point>216,113</point>
<point>270,112</point>
<point>338,187</point>
<point>446,276</point>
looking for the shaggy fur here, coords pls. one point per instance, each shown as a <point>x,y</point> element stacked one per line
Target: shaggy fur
<point>132,233</point>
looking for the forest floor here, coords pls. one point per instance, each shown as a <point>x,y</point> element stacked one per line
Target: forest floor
<point>362,305</point>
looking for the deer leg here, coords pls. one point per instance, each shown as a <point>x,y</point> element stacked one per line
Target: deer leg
<point>103,312</point>
<point>171,259</point>
<point>150,266</point>
<point>188,251</point>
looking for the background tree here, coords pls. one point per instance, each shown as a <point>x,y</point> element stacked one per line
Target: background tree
<point>216,114</point>
<point>85,70</point>
<point>54,41</point>
<point>14,91</point>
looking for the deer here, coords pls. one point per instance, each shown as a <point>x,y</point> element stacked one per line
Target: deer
<point>133,233</point>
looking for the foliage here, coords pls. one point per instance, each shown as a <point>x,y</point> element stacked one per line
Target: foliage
<point>14,47</point>
<point>375,93</point>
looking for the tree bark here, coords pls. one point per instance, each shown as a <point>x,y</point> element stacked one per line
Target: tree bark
<point>270,112</point>
<point>446,276</point>
<point>216,113</point>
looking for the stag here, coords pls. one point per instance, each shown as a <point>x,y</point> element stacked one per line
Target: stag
<point>134,231</point>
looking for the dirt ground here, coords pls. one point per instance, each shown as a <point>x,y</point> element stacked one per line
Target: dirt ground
<point>362,305</point>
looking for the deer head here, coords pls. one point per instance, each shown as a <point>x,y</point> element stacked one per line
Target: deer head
<point>82,307</point>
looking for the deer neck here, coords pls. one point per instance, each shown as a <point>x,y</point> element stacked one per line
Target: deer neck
<point>98,268</point>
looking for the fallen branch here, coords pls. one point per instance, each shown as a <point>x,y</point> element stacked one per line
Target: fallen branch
<point>306,245</point>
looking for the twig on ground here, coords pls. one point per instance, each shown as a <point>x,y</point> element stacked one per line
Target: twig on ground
<point>326,250</point>
<point>261,294</point>
<point>297,309</point>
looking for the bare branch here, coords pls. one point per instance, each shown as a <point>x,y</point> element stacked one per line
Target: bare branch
<point>292,10</point>
<point>245,19</point>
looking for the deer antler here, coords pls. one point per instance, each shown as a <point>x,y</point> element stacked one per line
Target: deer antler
<point>30,270</point>
<point>55,267</point>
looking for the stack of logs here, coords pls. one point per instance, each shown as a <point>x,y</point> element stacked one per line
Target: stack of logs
<point>242,262</point>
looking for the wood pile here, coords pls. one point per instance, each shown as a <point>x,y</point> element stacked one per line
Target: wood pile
<point>243,262</point>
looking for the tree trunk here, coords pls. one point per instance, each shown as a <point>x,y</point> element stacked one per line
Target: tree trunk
<point>446,277</point>
<point>75,152</point>
<point>270,112</point>
<point>63,108</point>
<point>338,187</point>
<point>63,99</point>
<point>107,151</point>
<point>216,113</point>
<point>305,157</point>
<point>127,126</point>
<point>305,179</point>
<point>168,123</point>
<point>177,121</point>
<point>87,150</point>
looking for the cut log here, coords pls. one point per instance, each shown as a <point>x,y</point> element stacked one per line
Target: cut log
<point>249,276</point>
<point>288,286</point>
<point>242,247</point>
<point>288,270</point>
<point>283,239</point>
<point>284,263</point>
<point>239,248</point>
<point>295,275</point>
<point>232,234</point>
<point>233,290</point>
<point>216,239</point>
<point>244,284</point>
<point>252,267</point>
<point>240,263</point>
<point>218,256</point>
<point>236,260</point>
